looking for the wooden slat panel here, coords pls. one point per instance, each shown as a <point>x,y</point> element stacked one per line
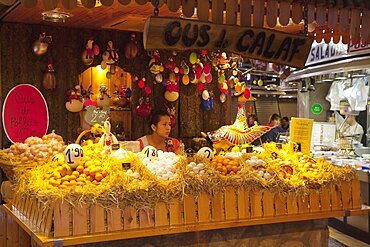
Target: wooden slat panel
<point>321,15</point>
<point>366,25</point>
<point>346,195</point>
<point>173,5</point>
<point>314,201</point>
<point>45,215</point>
<point>231,11</point>
<point>114,219</point>
<point>280,204</point>
<point>303,204</point>
<point>325,199</point>
<point>203,10</point>
<point>256,203</point>
<point>332,17</point>
<point>146,218</point>
<point>356,194</point>
<point>3,228</point>
<point>291,203</point>
<point>176,213</point>
<point>161,214</point>
<point>130,218</point>
<point>29,208</point>
<point>245,13</point>
<point>259,13</point>
<point>190,209</point>
<point>40,215</point>
<point>344,20</point>
<point>297,13</point>
<point>23,238</point>
<point>230,204</point>
<point>49,221</point>
<point>61,219</point>
<point>97,219</point>
<point>217,11</point>
<point>217,207</point>
<point>33,210</point>
<point>12,230</point>
<point>188,7</point>
<point>355,25</point>
<point>311,13</point>
<point>243,203</point>
<point>335,198</point>
<point>271,12</point>
<point>79,214</point>
<point>204,212</point>
<point>26,207</point>
<point>284,13</point>
<point>268,204</point>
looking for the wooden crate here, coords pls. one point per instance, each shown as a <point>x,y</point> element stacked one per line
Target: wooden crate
<point>230,205</point>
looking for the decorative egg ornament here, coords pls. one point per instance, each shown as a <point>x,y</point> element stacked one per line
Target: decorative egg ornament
<point>206,152</point>
<point>193,58</point>
<point>72,153</point>
<point>205,95</point>
<point>150,152</point>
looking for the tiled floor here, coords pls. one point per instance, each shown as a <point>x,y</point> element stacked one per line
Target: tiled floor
<point>338,239</point>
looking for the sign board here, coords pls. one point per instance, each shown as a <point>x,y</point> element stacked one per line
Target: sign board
<point>25,113</point>
<point>96,116</point>
<point>316,109</point>
<point>322,51</point>
<point>300,133</point>
<point>256,43</point>
<point>358,47</point>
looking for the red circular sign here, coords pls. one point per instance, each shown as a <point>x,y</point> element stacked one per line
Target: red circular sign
<point>25,113</point>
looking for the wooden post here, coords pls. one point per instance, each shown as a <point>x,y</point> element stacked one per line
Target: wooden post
<point>243,203</point>
<point>130,218</point>
<point>292,205</point>
<point>303,204</point>
<point>204,212</point>
<point>346,195</point>
<point>190,209</point>
<point>280,204</point>
<point>176,213</point>
<point>97,219</point>
<point>325,199</point>
<point>356,194</point>
<point>146,218</point>
<point>314,201</point>
<point>230,204</point>
<point>23,238</point>
<point>161,214</point>
<point>335,198</point>
<point>217,207</point>
<point>114,219</point>
<point>12,233</point>
<point>268,204</point>
<point>256,203</point>
<point>61,219</point>
<point>3,228</point>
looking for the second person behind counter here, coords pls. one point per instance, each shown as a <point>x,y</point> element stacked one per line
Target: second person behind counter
<point>160,125</point>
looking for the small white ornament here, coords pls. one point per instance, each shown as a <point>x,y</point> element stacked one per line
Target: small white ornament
<point>206,152</point>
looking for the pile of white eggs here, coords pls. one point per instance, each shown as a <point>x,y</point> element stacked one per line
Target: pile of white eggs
<point>195,168</point>
<point>255,163</point>
<point>163,166</point>
<point>132,174</point>
<point>235,155</point>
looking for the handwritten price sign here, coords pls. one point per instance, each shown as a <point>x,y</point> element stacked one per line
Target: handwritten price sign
<point>25,113</point>
<point>94,115</point>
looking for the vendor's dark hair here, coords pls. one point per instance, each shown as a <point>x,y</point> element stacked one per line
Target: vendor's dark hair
<point>285,118</point>
<point>274,116</point>
<point>156,116</point>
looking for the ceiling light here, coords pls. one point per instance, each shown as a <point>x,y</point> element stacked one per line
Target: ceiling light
<point>55,15</point>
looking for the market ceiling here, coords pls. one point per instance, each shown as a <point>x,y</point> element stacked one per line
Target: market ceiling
<point>326,18</point>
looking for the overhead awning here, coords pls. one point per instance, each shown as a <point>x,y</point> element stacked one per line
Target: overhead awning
<point>334,19</point>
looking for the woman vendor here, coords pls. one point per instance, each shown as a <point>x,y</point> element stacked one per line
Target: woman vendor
<point>160,124</point>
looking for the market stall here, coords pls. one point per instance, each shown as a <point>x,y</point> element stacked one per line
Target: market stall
<point>101,190</point>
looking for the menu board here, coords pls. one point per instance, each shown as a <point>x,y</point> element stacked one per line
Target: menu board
<point>25,113</point>
<point>300,133</point>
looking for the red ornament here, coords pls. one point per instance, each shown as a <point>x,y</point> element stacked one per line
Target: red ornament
<point>200,86</point>
<point>204,52</point>
<point>247,93</point>
<point>144,109</point>
<point>148,90</point>
<point>141,84</point>
<point>181,70</point>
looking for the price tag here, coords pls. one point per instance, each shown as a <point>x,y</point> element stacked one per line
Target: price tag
<point>94,115</point>
<point>206,152</point>
<point>150,152</point>
<point>72,153</point>
<point>115,146</point>
<point>126,166</point>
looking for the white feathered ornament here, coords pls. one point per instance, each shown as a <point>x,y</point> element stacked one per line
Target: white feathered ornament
<point>107,139</point>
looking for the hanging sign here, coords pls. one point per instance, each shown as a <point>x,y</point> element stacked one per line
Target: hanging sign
<point>316,109</point>
<point>257,43</point>
<point>96,116</point>
<point>25,113</point>
<point>322,51</point>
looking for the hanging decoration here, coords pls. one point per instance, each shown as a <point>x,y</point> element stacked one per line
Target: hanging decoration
<point>74,103</point>
<point>172,111</point>
<point>110,56</point>
<point>104,97</point>
<point>131,48</point>
<point>144,109</point>
<point>90,51</point>
<point>40,46</point>
<point>156,67</point>
<point>121,99</point>
<point>49,81</point>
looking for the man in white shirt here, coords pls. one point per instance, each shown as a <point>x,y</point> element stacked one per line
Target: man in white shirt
<point>351,128</point>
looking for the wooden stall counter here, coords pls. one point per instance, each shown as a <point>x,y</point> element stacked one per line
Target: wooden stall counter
<point>228,213</point>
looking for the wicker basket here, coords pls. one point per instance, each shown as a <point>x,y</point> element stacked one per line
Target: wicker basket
<point>9,166</point>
